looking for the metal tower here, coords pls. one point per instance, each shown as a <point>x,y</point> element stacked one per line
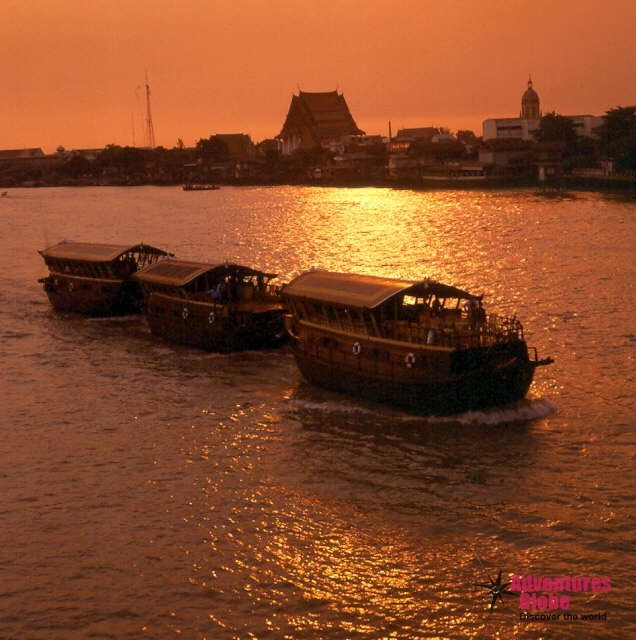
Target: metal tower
<point>149,132</point>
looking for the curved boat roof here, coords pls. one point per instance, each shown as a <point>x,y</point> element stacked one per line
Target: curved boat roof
<point>90,252</point>
<point>361,291</point>
<point>178,273</point>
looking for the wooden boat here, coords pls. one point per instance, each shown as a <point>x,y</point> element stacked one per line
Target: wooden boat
<point>223,308</point>
<point>417,345</point>
<point>200,187</point>
<point>94,279</point>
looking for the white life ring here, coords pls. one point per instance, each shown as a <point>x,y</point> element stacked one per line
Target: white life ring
<point>184,313</point>
<point>70,286</point>
<point>410,359</point>
<point>211,317</point>
<point>357,348</point>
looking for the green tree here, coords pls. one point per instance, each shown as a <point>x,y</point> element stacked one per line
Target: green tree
<point>618,137</point>
<point>557,128</point>
<point>77,167</point>
<point>467,137</point>
<point>212,150</point>
<point>127,160</point>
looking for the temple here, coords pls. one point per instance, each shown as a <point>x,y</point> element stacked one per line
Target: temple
<point>317,120</point>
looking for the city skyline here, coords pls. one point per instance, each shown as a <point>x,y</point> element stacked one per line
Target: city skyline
<point>74,74</point>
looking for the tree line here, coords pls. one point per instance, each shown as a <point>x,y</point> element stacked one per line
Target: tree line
<point>210,160</point>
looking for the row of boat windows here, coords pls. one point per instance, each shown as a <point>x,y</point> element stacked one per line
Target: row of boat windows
<point>408,309</point>
<point>202,289</point>
<point>95,270</point>
<point>416,322</point>
<point>118,269</point>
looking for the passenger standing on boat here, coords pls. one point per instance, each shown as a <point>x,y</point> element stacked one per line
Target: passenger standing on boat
<point>471,307</point>
<point>216,293</point>
<point>480,314</point>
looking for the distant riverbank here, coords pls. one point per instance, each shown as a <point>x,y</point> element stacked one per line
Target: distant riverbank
<point>563,183</point>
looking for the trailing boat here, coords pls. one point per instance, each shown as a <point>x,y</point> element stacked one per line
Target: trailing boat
<point>422,346</point>
<point>223,308</point>
<point>94,279</point>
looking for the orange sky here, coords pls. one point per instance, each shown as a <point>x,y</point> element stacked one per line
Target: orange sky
<point>72,71</point>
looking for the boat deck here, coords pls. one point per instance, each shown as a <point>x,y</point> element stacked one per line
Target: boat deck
<point>457,333</point>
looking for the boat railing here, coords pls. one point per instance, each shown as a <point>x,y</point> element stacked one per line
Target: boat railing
<point>273,289</point>
<point>460,333</point>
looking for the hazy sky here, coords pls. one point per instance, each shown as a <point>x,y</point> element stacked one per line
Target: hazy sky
<point>72,71</point>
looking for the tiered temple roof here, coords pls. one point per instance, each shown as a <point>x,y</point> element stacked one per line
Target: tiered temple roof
<point>318,117</point>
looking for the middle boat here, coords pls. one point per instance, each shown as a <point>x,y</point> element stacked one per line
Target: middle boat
<point>422,346</point>
<point>226,307</point>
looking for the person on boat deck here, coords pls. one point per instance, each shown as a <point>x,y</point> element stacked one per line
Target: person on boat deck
<point>480,314</point>
<point>216,293</point>
<point>425,314</point>
<point>436,309</point>
<point>471,307</point>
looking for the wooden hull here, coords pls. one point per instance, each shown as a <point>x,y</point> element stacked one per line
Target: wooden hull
<point>213,327</point>
<point>91,296</point>
<point>422,380</point>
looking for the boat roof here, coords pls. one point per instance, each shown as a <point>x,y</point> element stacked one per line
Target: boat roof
<point>177,273</point>
<point>362,291</point>
<point>96,252</point>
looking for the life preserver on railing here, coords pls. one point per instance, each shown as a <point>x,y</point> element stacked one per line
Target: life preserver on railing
<point>211,317</point>
<point>184,313</point>
<point>357,348</point>
<point>70,286</point>
<point>410,359</point>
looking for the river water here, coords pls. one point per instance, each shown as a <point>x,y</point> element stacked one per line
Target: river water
<point>153,491</point>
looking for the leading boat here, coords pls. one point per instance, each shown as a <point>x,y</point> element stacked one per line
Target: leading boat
<point>223,307</point>
<point>422,346</point>
<point>94,279</point>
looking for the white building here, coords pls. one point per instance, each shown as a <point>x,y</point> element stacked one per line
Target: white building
<point>526,124</point>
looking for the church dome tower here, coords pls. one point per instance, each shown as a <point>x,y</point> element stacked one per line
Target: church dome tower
<point>530,102</point>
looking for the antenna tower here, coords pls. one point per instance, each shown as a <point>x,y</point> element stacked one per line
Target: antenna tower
<point>150,132</point>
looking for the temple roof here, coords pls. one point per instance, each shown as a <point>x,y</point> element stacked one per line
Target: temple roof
<point>323,115</point>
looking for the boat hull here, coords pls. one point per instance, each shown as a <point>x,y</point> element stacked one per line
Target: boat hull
<point>428,386</point>
<point>91,296</point>
<point>211,326</point>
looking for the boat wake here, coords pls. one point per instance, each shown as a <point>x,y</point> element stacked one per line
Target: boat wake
<point>523,411</point>
<point>131,317</point>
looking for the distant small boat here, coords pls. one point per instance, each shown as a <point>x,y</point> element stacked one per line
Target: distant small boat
<point>94,279</point>
<point>4,193</point>
<point>200,187</point>
<point>223,308</point>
